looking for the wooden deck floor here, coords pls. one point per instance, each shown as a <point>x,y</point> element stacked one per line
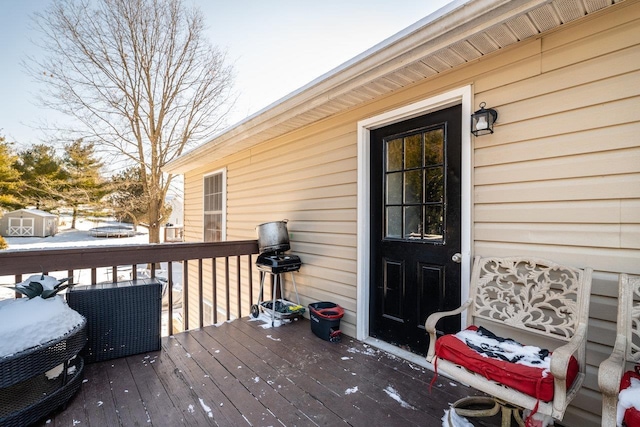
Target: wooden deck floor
<point>241,374</point>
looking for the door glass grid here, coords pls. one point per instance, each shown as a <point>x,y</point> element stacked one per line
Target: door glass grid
<point>415,186</point>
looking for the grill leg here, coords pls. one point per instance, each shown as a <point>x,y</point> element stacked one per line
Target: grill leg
<point>295,288</point>
<point>263,275</point>
<point>273,301</point>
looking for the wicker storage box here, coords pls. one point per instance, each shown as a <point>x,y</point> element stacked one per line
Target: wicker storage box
<point>26,394</point>
<point>122,318</point>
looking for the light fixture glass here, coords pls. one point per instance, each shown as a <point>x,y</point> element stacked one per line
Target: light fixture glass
<point>482,120</point>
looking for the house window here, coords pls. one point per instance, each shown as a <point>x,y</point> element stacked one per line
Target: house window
<point>214,207</point>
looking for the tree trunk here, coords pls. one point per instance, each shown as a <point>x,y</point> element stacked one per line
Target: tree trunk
<point>73,218</point>
<point>154,233</point>
<point>154,222</point>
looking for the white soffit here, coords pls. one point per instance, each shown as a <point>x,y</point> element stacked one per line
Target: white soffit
<point>461,32</point>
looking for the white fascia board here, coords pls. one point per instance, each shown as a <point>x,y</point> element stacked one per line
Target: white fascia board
<point>442,28</point>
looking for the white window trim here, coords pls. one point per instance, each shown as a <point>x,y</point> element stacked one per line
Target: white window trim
<point>462,96</point>
<point>222,171</point>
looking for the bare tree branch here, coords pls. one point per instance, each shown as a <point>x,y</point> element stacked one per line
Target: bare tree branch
<point>139,80</point>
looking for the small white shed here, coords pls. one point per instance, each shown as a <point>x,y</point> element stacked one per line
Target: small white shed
<point>28,223</point>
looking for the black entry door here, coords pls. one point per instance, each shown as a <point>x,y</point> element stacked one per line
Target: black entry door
<point>415,226</point>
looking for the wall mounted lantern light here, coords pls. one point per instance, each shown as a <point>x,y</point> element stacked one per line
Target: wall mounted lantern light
<point>482,120</point>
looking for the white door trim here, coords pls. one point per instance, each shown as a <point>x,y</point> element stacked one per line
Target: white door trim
<point>462,96</point>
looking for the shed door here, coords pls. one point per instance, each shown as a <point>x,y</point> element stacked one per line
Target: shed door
<point>21,227</point>
<point>416,226</point>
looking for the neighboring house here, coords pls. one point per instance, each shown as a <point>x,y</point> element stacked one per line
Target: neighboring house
<point>559,178</point>
<point>28,223</point>
<point>173,228</point>
<point>177,209</point>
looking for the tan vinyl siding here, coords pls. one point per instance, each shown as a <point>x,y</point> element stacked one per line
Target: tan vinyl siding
<point>559,179</point>
<point>312,183</point>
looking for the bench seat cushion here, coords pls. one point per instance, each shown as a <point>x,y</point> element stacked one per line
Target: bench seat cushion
<point>524,368</point>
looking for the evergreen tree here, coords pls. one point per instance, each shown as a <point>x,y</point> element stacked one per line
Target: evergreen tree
<point>84,185</point>
<point>42,176</point>
<point>128,197</point>
<point>9,178</point>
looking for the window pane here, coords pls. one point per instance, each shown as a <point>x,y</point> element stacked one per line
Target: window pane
<point>394,222</point>
<point>434,185</point>
<point>433,223</point>
<point>394,188</point>
<point>212,227</point>
<point>434,147</point>
<point>394,155</point>
<point>412,222</point>
<point>413,187</point>
<point>213,205</point>
<point>413,151</point>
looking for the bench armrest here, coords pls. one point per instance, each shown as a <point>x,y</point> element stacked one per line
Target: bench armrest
<point>560,364</point>
<point>609,375</point>
<point>430,326</point>
<point>561,355</point>
<point>611,370</point>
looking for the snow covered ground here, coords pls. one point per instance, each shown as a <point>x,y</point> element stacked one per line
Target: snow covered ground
<point>71,238</point>
<point>81,237</point>
<point>78,237</point>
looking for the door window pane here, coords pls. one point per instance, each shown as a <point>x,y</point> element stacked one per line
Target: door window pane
<point>413,151</point>
<point>394,222</point>
<point>412,222</point>
<point>434,147</point>
<point>434,223</point>
<point>394,188</point>
<point>415,185</point>
<point>434,185</point>
<point>394,155</point>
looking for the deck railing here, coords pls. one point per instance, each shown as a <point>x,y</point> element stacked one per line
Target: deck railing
<point>21,262</point>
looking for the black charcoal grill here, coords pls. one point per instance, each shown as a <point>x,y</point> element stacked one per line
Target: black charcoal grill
<point>273,242</point>
<point>276,262</point>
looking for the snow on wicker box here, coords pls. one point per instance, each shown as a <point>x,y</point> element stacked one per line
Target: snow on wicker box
<point>27,323</point>
<point>38,335</point>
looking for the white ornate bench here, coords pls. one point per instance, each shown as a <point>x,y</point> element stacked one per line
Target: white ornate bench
<point>535,302</point>
<point>626,350</point>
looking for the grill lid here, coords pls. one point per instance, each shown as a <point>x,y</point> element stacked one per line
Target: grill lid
<point>275,263</point>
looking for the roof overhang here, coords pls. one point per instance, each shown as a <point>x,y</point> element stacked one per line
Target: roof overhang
<point>461,32</point>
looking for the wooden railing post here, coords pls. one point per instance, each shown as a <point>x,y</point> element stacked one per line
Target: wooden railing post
<point>249,270</point>
<point>214,280</point>
<point>170,298</point>
<point>238,287</point>
<point>200,295</point>
<point>185,295</point>
<point>226,285</point>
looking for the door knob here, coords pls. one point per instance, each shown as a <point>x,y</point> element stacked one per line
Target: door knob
<point>457,257</point>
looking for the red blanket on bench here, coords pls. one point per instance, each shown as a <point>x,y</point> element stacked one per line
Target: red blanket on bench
<point>504,367</point>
